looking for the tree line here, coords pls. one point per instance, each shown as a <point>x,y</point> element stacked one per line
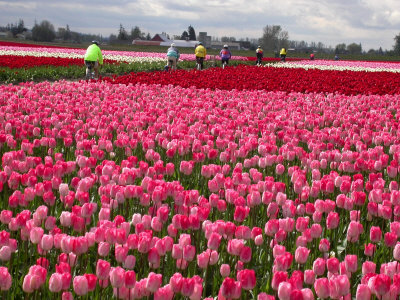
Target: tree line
<point>274,38</point>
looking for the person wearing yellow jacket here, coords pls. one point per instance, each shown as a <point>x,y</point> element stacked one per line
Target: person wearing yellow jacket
<point>283,54</point>
<point>200,53</point>
<point>93,57</point>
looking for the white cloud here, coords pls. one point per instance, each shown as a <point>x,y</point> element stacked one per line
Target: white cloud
<point>374,23</point>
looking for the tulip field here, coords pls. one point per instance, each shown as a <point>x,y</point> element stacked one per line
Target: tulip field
<point>272,182</point>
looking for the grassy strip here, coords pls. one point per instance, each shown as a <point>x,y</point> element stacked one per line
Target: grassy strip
<point>53,73</point>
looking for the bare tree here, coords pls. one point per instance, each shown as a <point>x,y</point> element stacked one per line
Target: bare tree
<point>274,38</point>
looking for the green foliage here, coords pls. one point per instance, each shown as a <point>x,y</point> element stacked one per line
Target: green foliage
<point>396,46</point>
<point>43,32</point>
<point>354,48</point>
<point>192,33</point>
<point>136,33</point>
<point>122,34</point>
<point>274,38</point>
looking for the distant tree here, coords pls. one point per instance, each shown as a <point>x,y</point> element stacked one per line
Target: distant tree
<point>185,35</point>
<point>136,33</point>
<point>67,35</point>
<point>340,48</point>
<point>227,39</point>
<point>112,38</point>
<point>43,32</point>
<point>380,51</point>
<point>21,27</point>
<point>64,33</point>
<point>274,38</point>
<point>122,34</point>
<point>354,48</point>
<point>16,28</point>
<point>60,33</point>
<point>148,36</point>
<point>396,47</point>
<point>191,33</point>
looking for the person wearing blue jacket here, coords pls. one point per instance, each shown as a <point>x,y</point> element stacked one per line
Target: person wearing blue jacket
<point>225,55</point>
<point>172,56</point>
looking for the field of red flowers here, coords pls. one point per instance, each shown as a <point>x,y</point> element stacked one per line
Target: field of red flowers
<point>238,183</point>
<point>274,79</point>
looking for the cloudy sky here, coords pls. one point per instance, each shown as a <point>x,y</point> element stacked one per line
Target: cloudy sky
<point>373,23</point>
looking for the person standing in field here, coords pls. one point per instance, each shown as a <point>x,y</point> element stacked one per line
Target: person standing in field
<point>200,53</point>
<point>259,55</point>
<point>93,58</point>
<point>283,54</point>
<point>225,55</point>
<point>172,56</point>
<point>312,57</point>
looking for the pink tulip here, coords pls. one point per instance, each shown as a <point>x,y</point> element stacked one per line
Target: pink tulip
<point>225,270</point>
<point>188,285</point>
<point>130,279</point>
<point>247,278</point>
<point>368,267</point>
<point>277,278</point>
<point>339,286</point>
<point>80,285</point>
<point>307,294</point>
<point>390,239</point>
<point>379,284</point>
<point>301,255</point>
<point>369,249</point>
<point>153,282</point>
<point>321,286</point>
<point>164,293</point>
<point>176,282</point>
<point>117,276</point>
<point>67,296</point>
<point>230,289</point>
<point>36,235</point>
<point>375,234</point>
<point>332,220</point>
<point>332,264</point>
<point>324,245</point>
<point>284,290</point>
<point>363,292</point>
<point>5,253</point>
<point>103,269</point>
<point>55,283</point>
<point>351,263</point>
<point>214,241</point>
<point>319,266</point>
<point>5,279</point>
<point>92,281</point>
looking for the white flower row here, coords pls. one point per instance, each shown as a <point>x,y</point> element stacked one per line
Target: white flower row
<point>340,66</point>
<point>120,58</point>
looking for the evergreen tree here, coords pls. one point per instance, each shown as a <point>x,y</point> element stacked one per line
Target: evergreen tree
<point>122,34</point>
<point>191,33</point>
<point>136,33</point>
<point>396,46</point>
<point>185,35</point>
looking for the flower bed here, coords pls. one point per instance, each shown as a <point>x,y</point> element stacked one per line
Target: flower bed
<point>273,79</point>
<point>152,186</point>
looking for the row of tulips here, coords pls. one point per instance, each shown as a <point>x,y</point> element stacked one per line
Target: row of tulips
<point>272,78</point>
<point>360,66</point>
<point>26,62</point>
<point>18,44</point>
<point>131,191</point>
<point>120,56</point>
